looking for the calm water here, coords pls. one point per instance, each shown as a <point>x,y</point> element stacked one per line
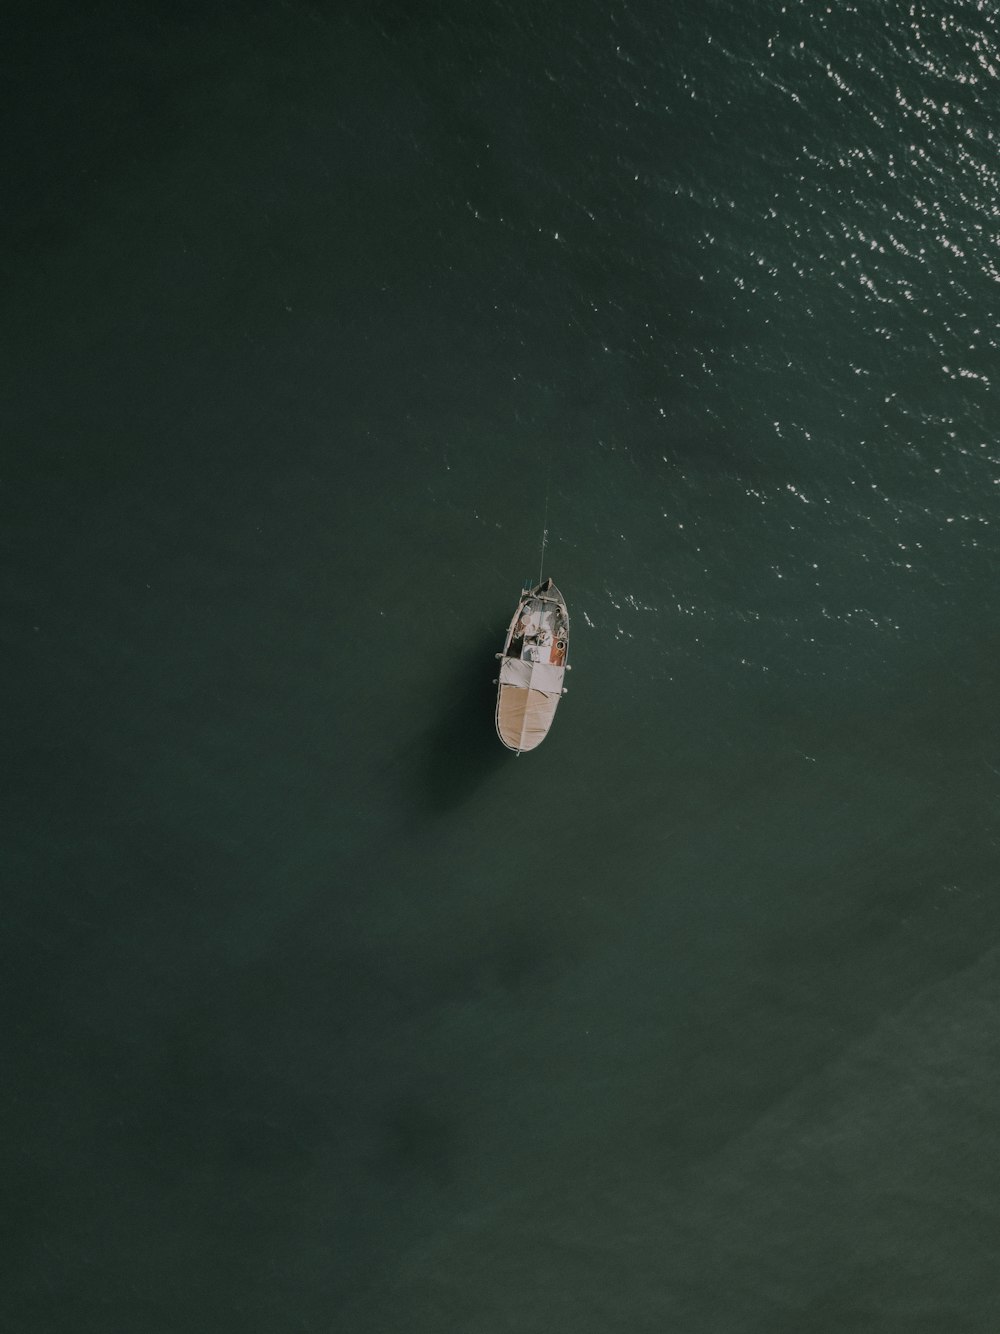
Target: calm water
<point>326,1013</point>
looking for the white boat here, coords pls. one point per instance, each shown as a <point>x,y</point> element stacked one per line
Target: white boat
<point>532,666</point>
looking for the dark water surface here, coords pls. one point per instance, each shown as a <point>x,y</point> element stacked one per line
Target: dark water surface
<point>324,1012</point>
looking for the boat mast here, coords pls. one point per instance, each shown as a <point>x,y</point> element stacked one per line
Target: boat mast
<point>545,532</point>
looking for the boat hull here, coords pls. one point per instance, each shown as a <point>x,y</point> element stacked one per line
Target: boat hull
<point>533,664</point>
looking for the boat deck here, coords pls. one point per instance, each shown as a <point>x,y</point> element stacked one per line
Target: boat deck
<point>539,635</point>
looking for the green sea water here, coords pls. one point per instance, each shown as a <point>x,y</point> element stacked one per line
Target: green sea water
<point>324,1012</point>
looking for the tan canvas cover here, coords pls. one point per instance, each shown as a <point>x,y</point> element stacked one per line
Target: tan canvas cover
<point>524,716</point>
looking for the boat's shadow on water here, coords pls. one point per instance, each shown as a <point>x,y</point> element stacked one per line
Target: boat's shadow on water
<point>463,749</point>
